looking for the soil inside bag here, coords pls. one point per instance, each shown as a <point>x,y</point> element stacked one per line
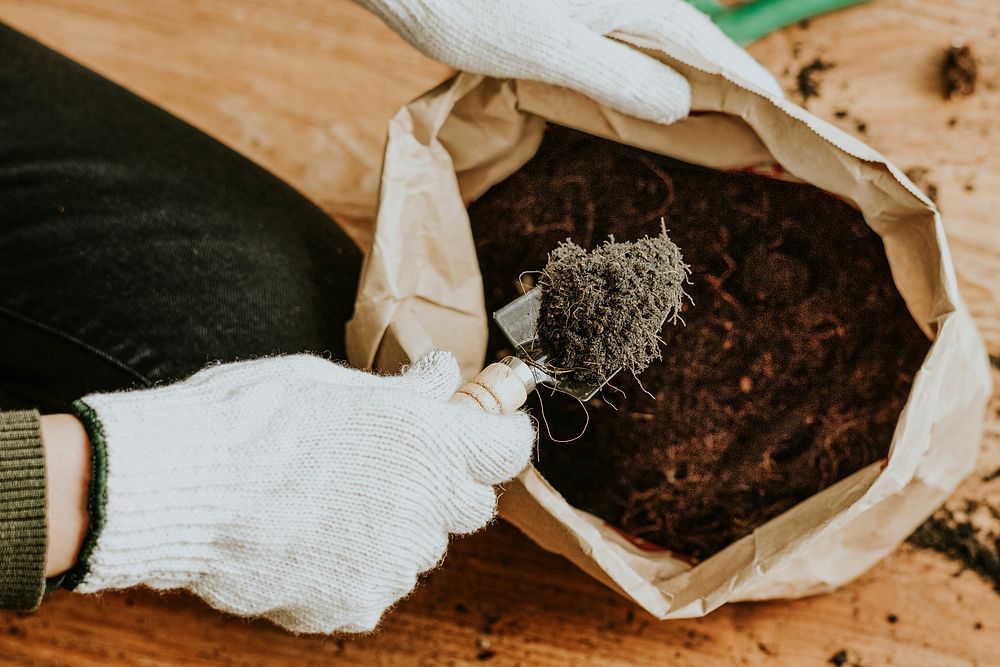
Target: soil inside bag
<point>788,374</point>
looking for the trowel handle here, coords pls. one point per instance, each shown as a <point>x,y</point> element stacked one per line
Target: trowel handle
<point>499,389</point>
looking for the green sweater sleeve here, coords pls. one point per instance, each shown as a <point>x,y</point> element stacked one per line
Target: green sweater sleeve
<point>23,537</point>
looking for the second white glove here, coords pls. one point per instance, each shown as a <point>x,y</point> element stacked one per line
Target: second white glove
<point>562,42</point>
<point>294,488</point>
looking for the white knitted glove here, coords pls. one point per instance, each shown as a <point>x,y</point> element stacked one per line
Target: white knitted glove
<point>294,488</point>
<point>561,42</point>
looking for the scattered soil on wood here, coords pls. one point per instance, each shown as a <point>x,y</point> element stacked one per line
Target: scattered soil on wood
<point>789,374</point>
<point>808,80</point>
<point>958,72</point>
<point>955,535</point>
<point>845,658</point>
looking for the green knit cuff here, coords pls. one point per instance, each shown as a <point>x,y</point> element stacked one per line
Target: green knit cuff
<point>23,538</point>
<point>97,497</point>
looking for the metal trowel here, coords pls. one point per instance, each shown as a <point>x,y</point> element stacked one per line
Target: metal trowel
<point>503,387</point>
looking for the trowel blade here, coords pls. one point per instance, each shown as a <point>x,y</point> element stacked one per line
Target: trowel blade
<point>519,322</point>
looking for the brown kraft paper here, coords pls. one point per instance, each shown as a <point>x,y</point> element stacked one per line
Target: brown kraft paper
<point>421,289</point>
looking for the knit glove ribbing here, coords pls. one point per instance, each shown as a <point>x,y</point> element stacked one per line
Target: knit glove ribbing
<point>294,488</point>
<point>562,42</point>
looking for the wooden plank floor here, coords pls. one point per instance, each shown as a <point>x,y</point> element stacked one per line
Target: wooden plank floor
<point>305,88</point>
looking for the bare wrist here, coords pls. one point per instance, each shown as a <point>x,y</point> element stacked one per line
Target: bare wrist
<point>67,477</point>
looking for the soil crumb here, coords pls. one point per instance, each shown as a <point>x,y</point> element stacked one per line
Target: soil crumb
<point>921,178</point>
<point>602,309</point>
<point>788,375</point>
<point>844,658</point>
<point>959,72</point>
<point>957,537</point>
<point>807,78</point>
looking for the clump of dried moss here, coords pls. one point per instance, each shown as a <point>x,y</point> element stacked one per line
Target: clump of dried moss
<point>602,310</point>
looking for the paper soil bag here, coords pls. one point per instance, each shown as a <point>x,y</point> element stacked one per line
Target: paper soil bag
<point>421,289</point>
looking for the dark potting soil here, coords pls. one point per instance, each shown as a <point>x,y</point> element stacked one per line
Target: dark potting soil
<point>789,374</point>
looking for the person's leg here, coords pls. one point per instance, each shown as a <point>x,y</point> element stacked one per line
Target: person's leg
<point>135,249</point>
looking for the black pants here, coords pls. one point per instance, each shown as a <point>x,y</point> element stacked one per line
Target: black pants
<point>134,249</point>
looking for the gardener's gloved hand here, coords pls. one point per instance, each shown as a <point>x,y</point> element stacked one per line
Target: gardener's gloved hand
<point>562,42</point>
<point>294,488</point>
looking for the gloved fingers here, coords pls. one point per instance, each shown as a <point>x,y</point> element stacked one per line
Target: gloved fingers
<point>226,381</point>
<point>429,550</point>
<point>676,23</point>
<point>495,448</point>
<point>361,624</point>
<point>472,507</point>
<point>538,40</point>
<point>611,73</point>
<point>327,617</point>
<point>435,375</point>
<point>605,16</point>
<point>292,366</point>
<point>304,619</point>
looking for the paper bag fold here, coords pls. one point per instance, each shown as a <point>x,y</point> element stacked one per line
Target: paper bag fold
<point>421,288</point>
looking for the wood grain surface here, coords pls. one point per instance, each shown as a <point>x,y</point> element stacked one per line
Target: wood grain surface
<point>305,87</point>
